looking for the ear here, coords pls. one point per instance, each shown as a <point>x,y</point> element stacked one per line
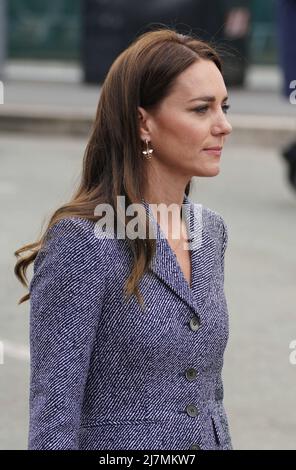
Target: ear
<point>144,124</point>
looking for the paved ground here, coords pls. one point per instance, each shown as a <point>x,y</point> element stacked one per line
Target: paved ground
<point>37,174</point>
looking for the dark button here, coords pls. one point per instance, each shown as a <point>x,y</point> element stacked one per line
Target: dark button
<point>194,447</point>
<point>194,323</point>
<point>190,374</point>
<point>191,410</point>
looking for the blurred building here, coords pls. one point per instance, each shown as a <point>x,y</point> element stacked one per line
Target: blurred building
<point>3,39</point>
<point>42,29</point>
<point>95,31</point>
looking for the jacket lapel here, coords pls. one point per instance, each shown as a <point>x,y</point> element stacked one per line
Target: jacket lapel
<point>202,250</point>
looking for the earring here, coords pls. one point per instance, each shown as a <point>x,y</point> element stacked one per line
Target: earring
<point>148,151</point>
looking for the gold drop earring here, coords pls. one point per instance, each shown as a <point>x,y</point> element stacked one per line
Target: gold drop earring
<point>148,151</point>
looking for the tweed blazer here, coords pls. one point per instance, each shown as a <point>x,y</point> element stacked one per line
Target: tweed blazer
<point>104,374</point>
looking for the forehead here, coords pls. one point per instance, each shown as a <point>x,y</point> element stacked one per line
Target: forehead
<point>201,78</point>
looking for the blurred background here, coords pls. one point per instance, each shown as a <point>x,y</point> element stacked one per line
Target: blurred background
<point>90,33</point>
<point>53,59</point>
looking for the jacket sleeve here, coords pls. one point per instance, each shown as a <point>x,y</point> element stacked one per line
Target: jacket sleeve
<point>67,292</point>
<point>219,386</point>
<point>219,391</point>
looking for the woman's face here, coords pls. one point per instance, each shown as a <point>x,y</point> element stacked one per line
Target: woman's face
<point>189,121</point>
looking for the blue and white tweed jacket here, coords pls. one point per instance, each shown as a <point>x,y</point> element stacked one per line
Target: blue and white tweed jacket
<point>104,374</point>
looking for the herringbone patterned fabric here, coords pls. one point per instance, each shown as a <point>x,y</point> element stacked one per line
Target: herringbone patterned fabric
<point>106,374</point>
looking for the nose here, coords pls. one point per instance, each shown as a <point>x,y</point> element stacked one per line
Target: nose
<point>222,125</point>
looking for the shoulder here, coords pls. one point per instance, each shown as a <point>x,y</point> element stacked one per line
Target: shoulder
<point>212,223</point>
<point>69,227</point>
<point>71,245</point>
<point>217,228</point>
<point>73,234</point>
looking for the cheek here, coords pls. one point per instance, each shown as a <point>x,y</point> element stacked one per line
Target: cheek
<point>184,132</point>
<point>193,133</point>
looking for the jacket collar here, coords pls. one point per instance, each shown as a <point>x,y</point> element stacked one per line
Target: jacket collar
<point>202,251</point>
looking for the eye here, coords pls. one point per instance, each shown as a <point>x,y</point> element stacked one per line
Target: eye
<point>225,108</point>
<point>201,109</point>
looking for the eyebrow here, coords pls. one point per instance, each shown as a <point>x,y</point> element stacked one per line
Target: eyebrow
<point>208,99</point>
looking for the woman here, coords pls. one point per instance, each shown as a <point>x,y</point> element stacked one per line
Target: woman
<point>127,334</point>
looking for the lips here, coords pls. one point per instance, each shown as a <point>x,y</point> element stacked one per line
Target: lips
<point>216,151</point>
<point>214,148</point>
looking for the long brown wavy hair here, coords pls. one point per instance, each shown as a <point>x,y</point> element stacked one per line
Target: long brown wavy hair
<point>113,165</point>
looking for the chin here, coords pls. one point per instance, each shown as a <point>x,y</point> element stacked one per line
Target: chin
<point>208,172</point>
<point>215,171</point>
